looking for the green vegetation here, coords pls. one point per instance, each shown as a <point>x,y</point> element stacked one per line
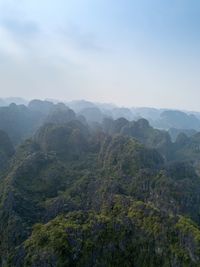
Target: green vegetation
<point>135,235</point>
<point>118,193</point>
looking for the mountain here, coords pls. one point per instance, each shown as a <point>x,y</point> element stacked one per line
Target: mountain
<point>141,131</point>
<point>6,150</point>
<point>92,114</point>
<point>43,107</point>
<point>60,114</point>
<point>114,193</point>
<point>122,113</point>
<point>151,114</point>
<point>174,132</point>
<point>178,119</point>
<point>16,100</point>
<point>18,121</point>
<point>21,122</point>
<point>115,238</point>
<point>79,105</point>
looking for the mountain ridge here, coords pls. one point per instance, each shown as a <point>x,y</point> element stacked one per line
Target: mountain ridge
<point>74,182</point>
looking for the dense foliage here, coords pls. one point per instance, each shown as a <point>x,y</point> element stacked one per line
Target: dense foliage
<point>118,193</point>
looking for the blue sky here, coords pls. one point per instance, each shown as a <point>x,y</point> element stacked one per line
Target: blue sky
<point>132,53</point>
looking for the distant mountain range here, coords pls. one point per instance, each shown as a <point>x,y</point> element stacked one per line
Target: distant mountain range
<point>174,121</point>
<point>9,100</point>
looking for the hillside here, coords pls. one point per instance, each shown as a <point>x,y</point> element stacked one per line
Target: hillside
<point>116,193</point>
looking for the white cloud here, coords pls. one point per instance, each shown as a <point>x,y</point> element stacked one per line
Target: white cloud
<point>8,46</point>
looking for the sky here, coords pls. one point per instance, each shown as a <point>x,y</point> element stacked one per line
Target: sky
<point>127,52</point>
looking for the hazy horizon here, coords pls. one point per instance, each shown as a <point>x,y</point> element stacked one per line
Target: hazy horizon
<point>131,53</point>
<point>66,101</point>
